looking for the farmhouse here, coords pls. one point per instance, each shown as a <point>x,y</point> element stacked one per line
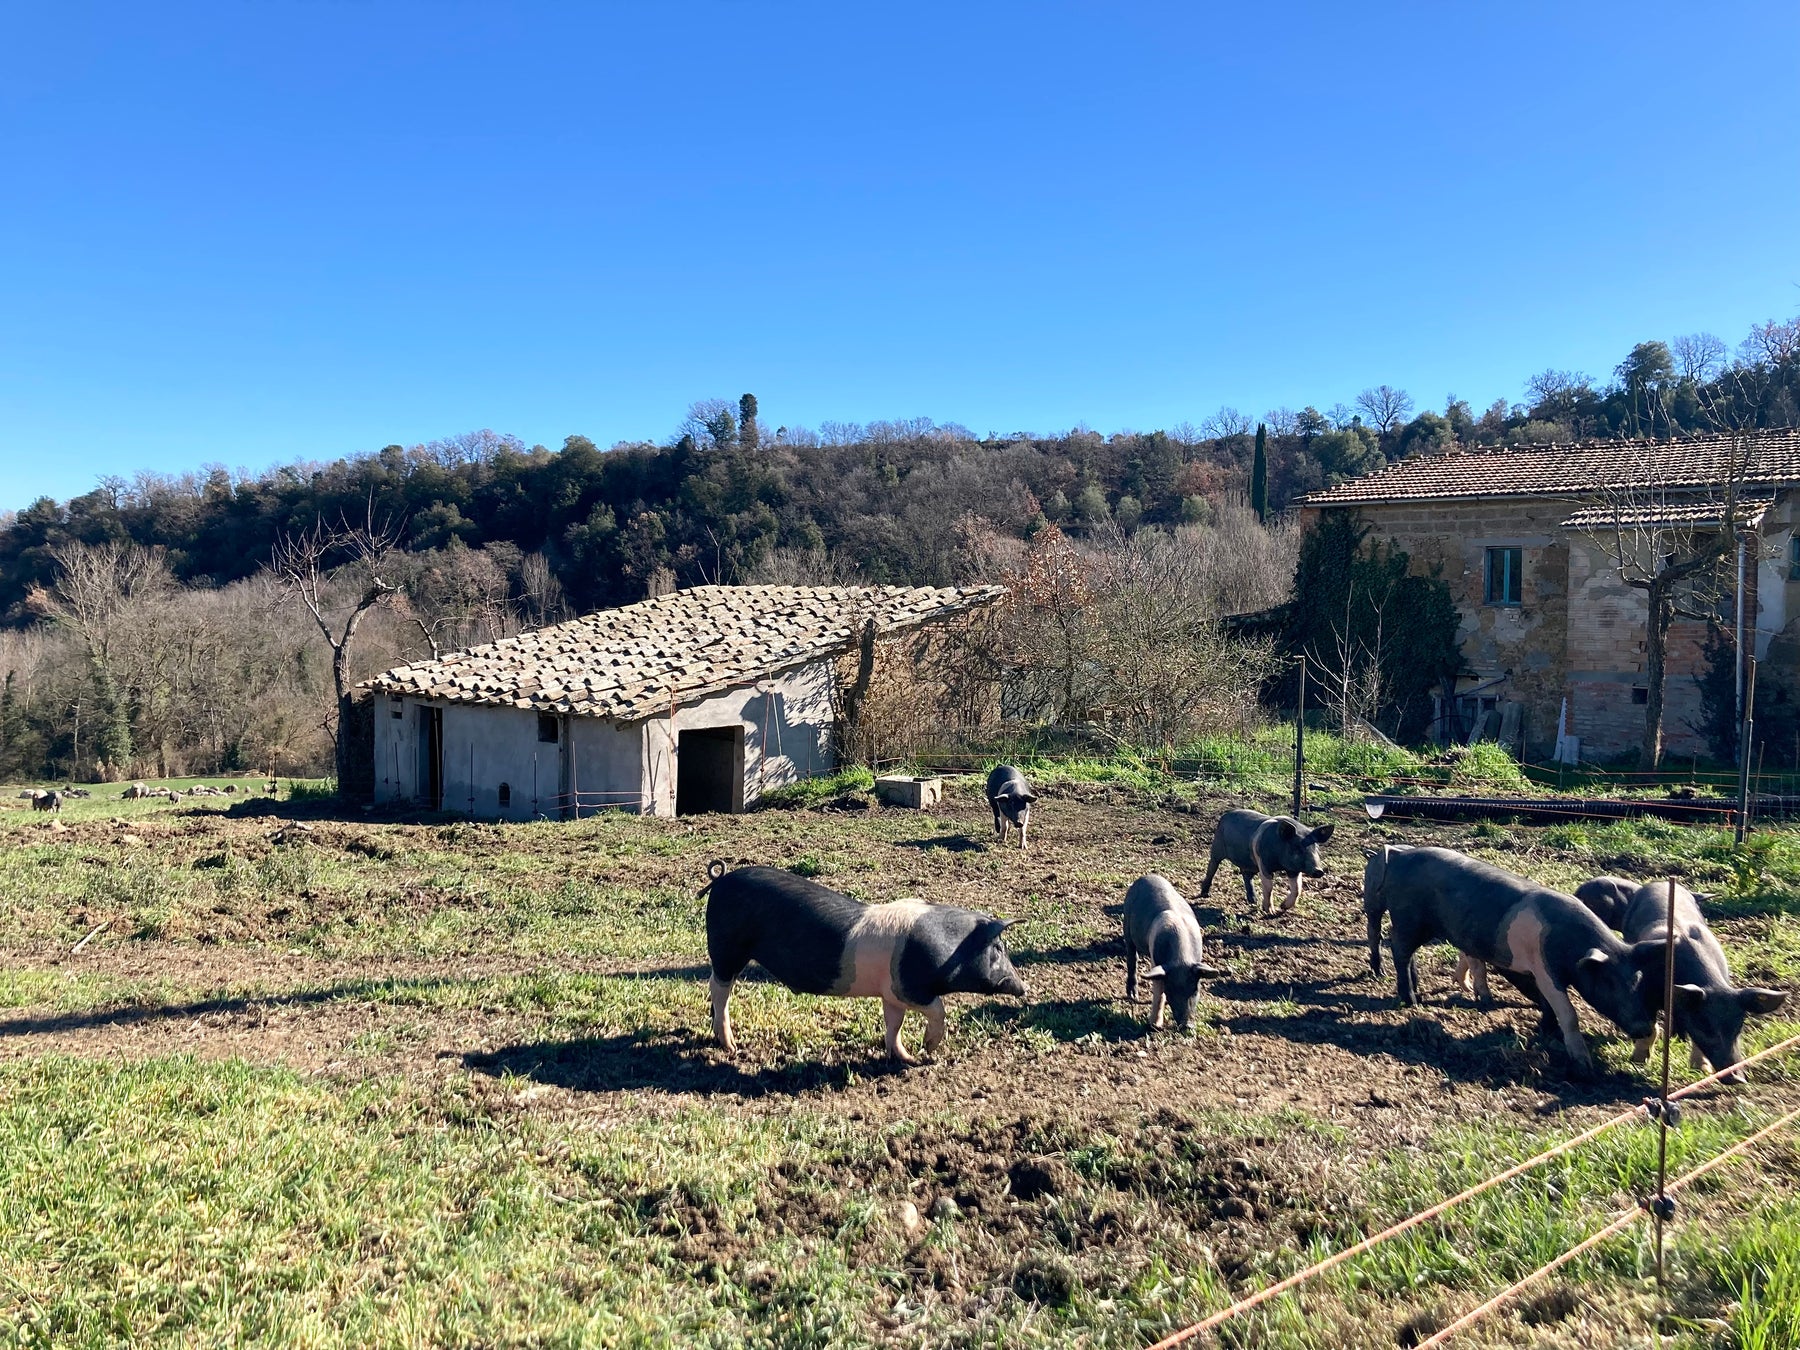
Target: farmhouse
<point>698,700</point>
<point>1521,537</point>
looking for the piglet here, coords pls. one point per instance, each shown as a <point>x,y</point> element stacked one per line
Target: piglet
<point>1160,927</point>
<point>1709,1009</point>
<point>1010,797</point>
<point>907,953</point>
<point>1267,847</point>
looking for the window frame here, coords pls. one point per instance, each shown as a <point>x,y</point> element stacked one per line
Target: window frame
<point>1513,572</point>
<point>553,723</point>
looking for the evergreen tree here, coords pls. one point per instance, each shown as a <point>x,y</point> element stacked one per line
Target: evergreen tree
<point>749,435</point>
<point>112,732</point>
<point>1259,475</point>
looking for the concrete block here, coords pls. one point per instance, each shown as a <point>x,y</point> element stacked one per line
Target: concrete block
<point>905,790</point>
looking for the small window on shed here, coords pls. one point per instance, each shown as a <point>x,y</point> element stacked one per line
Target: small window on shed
<point>397,708</point>
<point>506,794</point>
<point>1504,583</point>
<point>546,729</point>
<point>1639,694</point>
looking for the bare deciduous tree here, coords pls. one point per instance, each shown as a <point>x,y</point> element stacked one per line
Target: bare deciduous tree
<point>1672,544</point>
<point>338,576</point>
<point>1385,406</point>
<point>1698,356</point>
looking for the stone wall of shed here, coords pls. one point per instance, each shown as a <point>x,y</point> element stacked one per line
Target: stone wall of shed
<point>786,720</point>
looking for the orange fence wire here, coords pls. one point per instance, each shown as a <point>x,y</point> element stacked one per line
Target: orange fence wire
<point>1426,1215</point>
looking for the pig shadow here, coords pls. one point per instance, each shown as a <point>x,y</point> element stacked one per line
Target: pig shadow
<point>1067,1019</point>
<point>948,843</point>
<point>684,1062</point>
<point>1491,1058</point>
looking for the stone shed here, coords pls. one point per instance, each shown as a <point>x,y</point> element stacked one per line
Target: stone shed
<point>1546,617</point>
<point>698,700</point>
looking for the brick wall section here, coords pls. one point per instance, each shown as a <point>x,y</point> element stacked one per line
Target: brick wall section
<point>1579,632</point>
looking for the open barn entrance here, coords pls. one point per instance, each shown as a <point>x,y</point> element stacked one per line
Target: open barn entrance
<point>709,773</point>
<point>431,758</point>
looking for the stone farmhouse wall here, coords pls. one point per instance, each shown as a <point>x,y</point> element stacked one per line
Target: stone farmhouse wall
<point>1578,631</point>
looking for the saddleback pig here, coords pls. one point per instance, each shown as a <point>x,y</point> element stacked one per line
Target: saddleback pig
<point>907,953</point>
<point>1542,941</point>
<point>1267,847</point>
<point>1709,1009</point>
<point>1160,927</point>
<point>1010,797</point>
<point>1605,896</point>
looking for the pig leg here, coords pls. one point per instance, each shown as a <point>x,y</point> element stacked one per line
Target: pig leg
<point>1130,973</point>
<point>934,1024</point>
<point>1213,866</point>
<point>1024,829</point>
<point>1250,892</point>
<point>1268,892</point>
<point>999,823</point>
<point>1294,883</point>
<point>721,1015</point>
<point>1403,973</point>
<point>1696,1060</point>
<point>1640,1048</point>
<point>893,1014</point>
<point>1566,1020</point>
<point>1156,1004</point>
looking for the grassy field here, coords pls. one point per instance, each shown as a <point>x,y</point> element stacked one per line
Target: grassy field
<point>317,1081</point>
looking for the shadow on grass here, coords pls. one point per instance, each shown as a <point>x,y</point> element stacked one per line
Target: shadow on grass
<point>948,843</point>
<point>237,1005</point>
<point>662,1061</point>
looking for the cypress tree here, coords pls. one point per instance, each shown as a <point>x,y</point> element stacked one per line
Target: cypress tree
<point>749,434</point>
<point>1259,474</point>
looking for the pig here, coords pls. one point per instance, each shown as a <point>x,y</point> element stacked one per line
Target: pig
<point>1709,1009</point>
<point>1161,928</point>
<point>47,801</point>
<point>1267,846</point>
<point>1542,941</point>
<point>907,953</point>
<point>1605,896</point>
<point>1608,898</point>
<point>1010,798</point>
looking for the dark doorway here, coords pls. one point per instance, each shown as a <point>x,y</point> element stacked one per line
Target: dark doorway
<point>709,772</point>
<point>431,758</point>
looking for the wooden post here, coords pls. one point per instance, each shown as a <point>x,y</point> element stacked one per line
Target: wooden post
<point>1300,742</point>
<point>1661,1208</point>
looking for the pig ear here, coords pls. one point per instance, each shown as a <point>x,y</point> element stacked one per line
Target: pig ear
<point>1762,1000</point>
<point>1323,834</point>
<point>1211,972</point>
<point>1595,956</point>
<point>1285,828</point>
<point>1008,923</point>
<point>1650,954</point>
<point>1028,795</point>
<point>1154,973</point>
<point>1690,996</point>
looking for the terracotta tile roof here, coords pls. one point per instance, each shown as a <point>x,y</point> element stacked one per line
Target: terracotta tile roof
<point>1708,510</point>
<point>1570,470</point>
<point>629,663</point>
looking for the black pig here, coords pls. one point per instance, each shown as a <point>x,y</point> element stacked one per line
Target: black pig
<point>1544,942</point>
<point>1267,847</point>
<point>1010,797</point>
<point>907,953</point>
<point>1709,1009</point>
<point>1160,927</point>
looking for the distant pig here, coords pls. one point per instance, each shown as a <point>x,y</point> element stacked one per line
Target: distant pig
<point>909,954</point>
<point>1161,928</point>
<point>1267,847</point>
<point>1544,942</point>
<point>1709,1009</point>
<point>47,801</point>
<point>1010,797</point>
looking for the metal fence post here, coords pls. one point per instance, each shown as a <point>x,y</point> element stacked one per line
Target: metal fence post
<point>1745,732</point>
<point>1300,742</point>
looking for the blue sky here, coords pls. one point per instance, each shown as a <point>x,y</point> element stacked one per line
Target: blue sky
<point>248,233</point>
